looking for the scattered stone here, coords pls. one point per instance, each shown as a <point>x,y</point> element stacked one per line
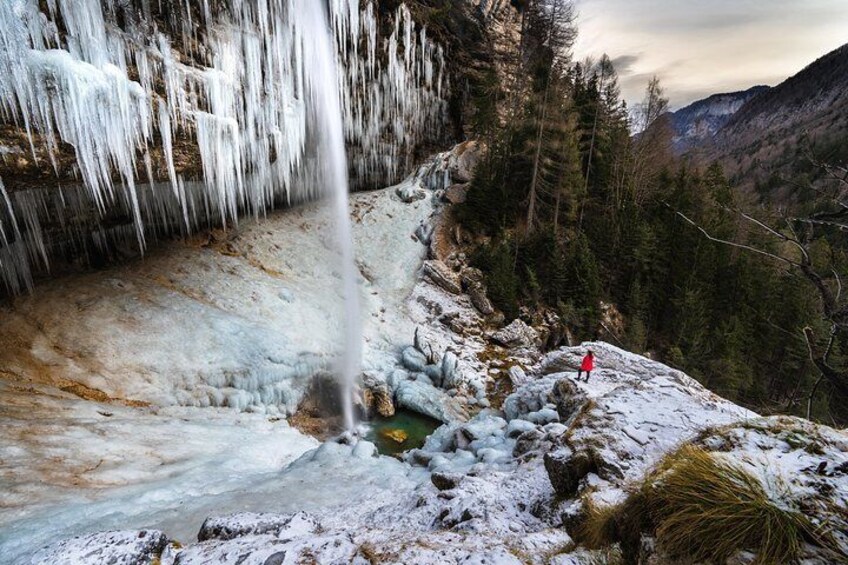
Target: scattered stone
<point>517,376</point>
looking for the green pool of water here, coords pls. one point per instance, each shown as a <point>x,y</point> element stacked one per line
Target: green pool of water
<point>415,426</point>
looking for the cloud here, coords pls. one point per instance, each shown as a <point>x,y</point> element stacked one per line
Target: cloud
<point>623,64</point>
<point>697,49</point>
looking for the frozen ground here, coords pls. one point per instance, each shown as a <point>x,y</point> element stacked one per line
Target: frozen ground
<point>155,393</point>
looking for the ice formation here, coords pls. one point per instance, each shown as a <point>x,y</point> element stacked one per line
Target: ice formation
<point>122,82</point>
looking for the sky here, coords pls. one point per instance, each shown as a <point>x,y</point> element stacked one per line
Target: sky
<point>704,47</point>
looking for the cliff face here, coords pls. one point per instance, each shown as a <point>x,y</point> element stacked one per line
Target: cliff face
<point>123,123</point>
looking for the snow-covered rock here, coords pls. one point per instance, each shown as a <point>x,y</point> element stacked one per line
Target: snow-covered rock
<point>426,399</point>
<point>116,547</point>
<point>517,334</point>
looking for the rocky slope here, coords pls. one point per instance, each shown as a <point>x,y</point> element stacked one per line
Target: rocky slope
<point>698,123</point>
<point>526,454</point>
<point>774,130</point>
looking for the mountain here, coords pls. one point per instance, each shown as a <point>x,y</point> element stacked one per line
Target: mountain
<point>701,120</point>
<point>774,131</point>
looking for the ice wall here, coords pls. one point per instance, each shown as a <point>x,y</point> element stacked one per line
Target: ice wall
<point>120,82</point>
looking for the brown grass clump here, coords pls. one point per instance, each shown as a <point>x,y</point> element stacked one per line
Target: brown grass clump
<point>703,509</point>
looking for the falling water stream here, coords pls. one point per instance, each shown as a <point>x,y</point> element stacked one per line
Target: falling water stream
<point>322,72</point>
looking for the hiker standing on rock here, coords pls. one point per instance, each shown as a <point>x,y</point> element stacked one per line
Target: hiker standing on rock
<point>587,365</point>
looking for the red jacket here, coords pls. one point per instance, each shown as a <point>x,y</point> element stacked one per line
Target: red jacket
<point>588,363</point>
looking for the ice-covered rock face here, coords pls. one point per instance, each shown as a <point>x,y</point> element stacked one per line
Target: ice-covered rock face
<point>182,115</point>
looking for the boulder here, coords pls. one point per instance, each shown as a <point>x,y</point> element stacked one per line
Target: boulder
<point>515,335</point>
<point>410,192</point>
<point>434,372</point>
<point>456,193</point>
<point>569,399</point>
<point>413,359</point>
<point>446,481</point>
<point>517,376</point>
<point>450,364</point>
<point>441,276</point>
<point>251,524</point>
<point>127,547</point>
<point>428,400</point>
<point>463,160</point>
<point>566,469</point>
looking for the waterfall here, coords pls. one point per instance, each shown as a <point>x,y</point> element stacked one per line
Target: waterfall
<point>168,117</point>
<point>320,60</point>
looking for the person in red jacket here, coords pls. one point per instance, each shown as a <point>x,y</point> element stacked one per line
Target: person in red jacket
<point>587,365</point>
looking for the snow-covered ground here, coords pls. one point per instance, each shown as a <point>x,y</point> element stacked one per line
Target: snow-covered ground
<point>153,394</point>
<point>150,400</point>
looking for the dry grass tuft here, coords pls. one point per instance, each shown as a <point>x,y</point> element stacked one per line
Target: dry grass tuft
<point>700,508</point>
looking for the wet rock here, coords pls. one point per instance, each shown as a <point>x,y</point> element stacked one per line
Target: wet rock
<point>515,335</point>
<point>376,396</point>
<point>397,436</point>
<point>441,275</point>
<point>566,469</point>
<point>126,547</point>
<point>250,524</point>
<point>446,481</point>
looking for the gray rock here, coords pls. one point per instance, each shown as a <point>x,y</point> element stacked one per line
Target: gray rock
<point>413,359</point>
<point>430,401</point>
<point>446,481</point>
<point>441,276</point>
<point>450,363</point>
<point>518,427</point>
<point>395,378</point>
<point>543,416</point>
<point>517,376</point>
<point>410,192</point>
<point>424,233</point>
<point>249,523</point>
<point>566,469</point>
<point>463,160</point>
<point>434,372</point>
<point>126,547</point>
<point>569,398</point>
<point>516,334</point>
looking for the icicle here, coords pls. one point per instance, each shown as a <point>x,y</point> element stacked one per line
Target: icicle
<point>236,90</point>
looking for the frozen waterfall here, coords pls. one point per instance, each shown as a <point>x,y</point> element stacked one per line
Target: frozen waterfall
<point>165,117</point>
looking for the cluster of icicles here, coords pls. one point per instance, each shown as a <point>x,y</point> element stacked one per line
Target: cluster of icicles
<point>106,77</point>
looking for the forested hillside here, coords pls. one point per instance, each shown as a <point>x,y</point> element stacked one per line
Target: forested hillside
<point>571,213</point>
